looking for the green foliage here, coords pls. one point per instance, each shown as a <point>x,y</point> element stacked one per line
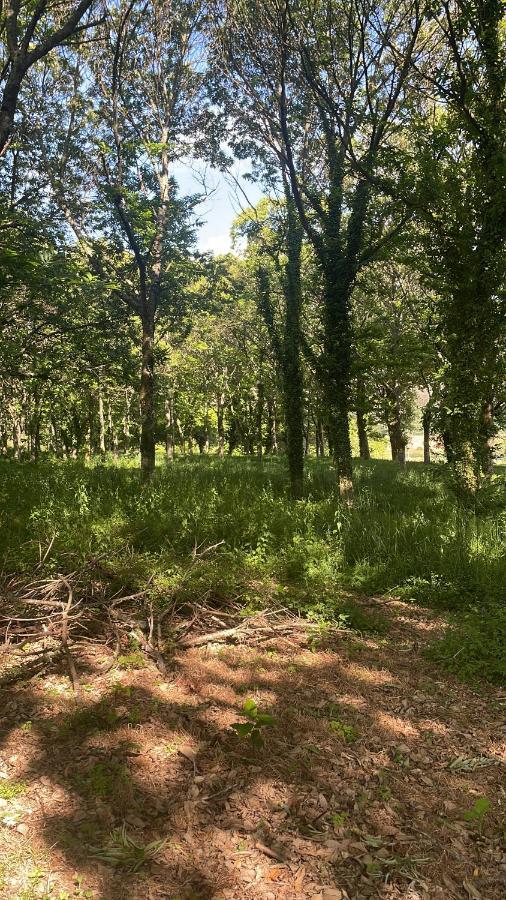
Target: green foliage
<point>475,816</point>
<point>87,720</point>
<point>347,733</point>
<point>122,852</point>
<point>252,729</point>
<point>406,534</point>
<point>474,648</point>
<point>9,790</point>
<point>339,819</point>
<point>133,660</point>
<point>102,780</point>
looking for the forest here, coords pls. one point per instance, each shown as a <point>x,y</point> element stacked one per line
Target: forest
<point>252,449</point>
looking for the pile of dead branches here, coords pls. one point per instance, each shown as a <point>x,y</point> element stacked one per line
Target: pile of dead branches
<point>45,623</point>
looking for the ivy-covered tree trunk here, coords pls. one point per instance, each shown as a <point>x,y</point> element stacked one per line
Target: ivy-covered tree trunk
<point>147,398</point>
<point>337,363</point>
<point>340,266</point>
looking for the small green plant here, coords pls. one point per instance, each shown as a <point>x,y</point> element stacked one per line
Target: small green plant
<point>347,733</point>
<point>339,819</point>
<point>171,747</point>
<point>122,852</point>
<point>475,816</point>
<point>88,719</point>
<point>134,660</point>
<point>121,690</point>
<point>11,789</point>
<point>102,780</point>
<point>252,729</point>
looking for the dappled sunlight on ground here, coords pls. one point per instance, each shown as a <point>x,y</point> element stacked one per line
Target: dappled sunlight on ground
<point>352,792</point>
<point>396,725</point>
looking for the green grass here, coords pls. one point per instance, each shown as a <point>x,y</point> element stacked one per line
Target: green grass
<point>407,533</point>
<point>9,790</point>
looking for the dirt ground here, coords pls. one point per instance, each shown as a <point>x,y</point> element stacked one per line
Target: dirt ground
<point>379,776</point>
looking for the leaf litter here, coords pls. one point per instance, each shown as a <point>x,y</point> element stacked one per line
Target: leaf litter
<point>368,775</point>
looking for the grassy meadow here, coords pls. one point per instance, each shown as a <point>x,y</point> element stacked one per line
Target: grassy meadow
<point>227,531</point>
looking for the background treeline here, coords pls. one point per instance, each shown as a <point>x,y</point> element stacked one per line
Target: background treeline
<point>371,273</point>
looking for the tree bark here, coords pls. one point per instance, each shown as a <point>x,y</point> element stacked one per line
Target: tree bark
<point>220,420</point>
<point>292,369</point>
<point>101,424</point>
<point>319,438</point>
<point>23,55</point>
<point>363,439</point>
<point>169,429</point>
<point>397,440</point>
<point>426,419</point>
<point>113,437</point>
<point>487,437</point>
<point>147,398</point>
<point>272,437</point>
<point>9,104</point>
<point>260,419</point>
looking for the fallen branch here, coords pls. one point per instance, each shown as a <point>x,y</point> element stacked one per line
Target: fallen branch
<point>212,636</point>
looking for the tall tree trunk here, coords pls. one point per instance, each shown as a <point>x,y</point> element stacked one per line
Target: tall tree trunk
<point>319,438</point>
<point>426,420</point>
<point>16,436</point>
<point>101,424</point>
<point>363,439</point>
<point>339,271</point>
<point>397,440</point>
<point>293,384</point>
<point>56,437</point>
<point>147,398</point>
<point>9,104</point>
<point>113,437</point>
<point>35,437</point>
<point>206,428</point>
<point>220,422</point>
<point>487,438</point>
<point>126,421</point>
<point>169,429</point>
<point>260,419</point>
<point>4,439</point>
<point>307,433</point>
<point>272,437</point>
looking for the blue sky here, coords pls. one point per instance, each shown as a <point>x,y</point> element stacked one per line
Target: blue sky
<point>221,205</point>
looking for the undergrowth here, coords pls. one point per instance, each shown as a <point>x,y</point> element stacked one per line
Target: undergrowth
<point>227,530</point>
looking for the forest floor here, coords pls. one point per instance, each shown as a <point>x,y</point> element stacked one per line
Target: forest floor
<point>380,775</point>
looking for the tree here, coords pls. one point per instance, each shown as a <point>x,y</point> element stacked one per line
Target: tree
<point>21,25</point>
<point>458,165</point>
<point>274,252</point>
<point>148,92</point>
<point>319,85</point>
<point>393,357</point>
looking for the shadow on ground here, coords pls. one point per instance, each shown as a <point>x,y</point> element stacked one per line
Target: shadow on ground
<point>351,792</point>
